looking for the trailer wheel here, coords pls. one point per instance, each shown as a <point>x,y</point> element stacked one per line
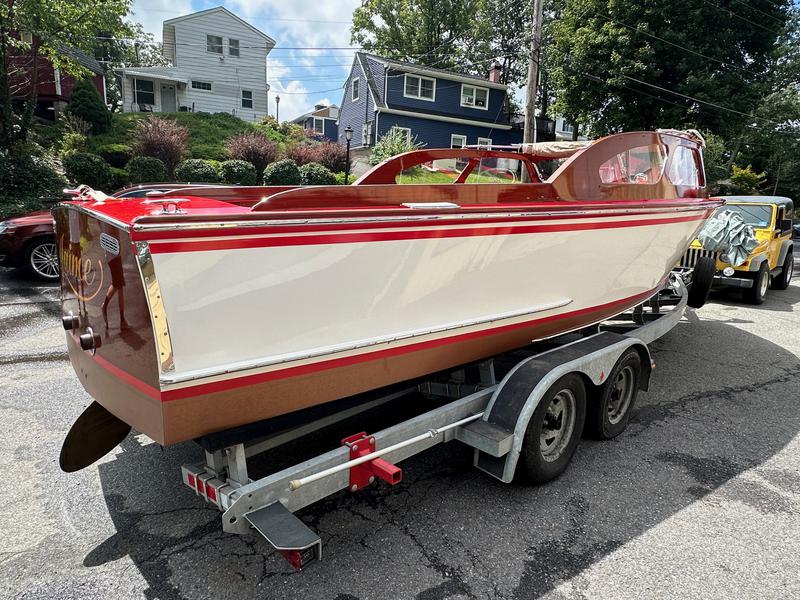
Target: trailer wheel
<point>607,416</point>
<point>554,430</point>
<point>702,278</point>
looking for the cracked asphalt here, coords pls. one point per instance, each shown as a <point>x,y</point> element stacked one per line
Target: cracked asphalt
<point>699,498</point>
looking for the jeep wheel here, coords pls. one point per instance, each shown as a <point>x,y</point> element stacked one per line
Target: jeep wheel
<point>702,278</point>
<point>41,259</point>
<point>783,280</point>
<point>755,294</point>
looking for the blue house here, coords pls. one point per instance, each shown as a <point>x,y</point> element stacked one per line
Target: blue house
<point>322,121</point>
<point>440,109</point>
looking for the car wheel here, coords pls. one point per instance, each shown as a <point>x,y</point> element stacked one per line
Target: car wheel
<point>755,294</point>
<point>783,280</point>
<point>41,259</point>
<point>554,430</point>
<point>607,416</point>
<point>702,278</point>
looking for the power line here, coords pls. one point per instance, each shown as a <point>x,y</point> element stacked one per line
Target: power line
<point>738,16</point>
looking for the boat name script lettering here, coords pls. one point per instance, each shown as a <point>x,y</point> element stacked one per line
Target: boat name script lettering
<point>84,277</point>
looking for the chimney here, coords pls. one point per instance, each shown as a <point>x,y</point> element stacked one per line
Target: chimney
<point>319,106</point>
<point>495,71</point>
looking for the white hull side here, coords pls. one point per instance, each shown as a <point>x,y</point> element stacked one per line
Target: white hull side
<point>226,307</point>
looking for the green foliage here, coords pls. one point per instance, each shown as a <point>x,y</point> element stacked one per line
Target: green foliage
<point>72,142</point>
<point>117,155</point>
<point>746,181</point>
<point>316,174</point>
<point>340,178</point>
<point>197,170</point>
<point>26,182</point>
<point>89,169</point>
<point>393,143</point>
<point>119,179</point>
<point>603,50</point>
<point>715,161</point>
<point>283,172</point>
<point>87,104</point>
<point>146,169</point>
<point>238,172</point>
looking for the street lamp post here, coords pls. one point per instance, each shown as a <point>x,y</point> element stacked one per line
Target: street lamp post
<point>278,108</point>
<point>348,135</point>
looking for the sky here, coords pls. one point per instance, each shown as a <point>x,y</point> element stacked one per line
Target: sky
<point>306,67</point>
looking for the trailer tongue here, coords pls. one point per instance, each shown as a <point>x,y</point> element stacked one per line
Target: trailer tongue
<point>529,423</point>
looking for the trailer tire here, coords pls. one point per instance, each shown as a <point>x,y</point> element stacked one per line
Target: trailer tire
<point>607,416</point>
<point>702,278</point>
<point>554,430</point>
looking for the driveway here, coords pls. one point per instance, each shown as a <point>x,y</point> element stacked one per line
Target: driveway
<point>699,498</point>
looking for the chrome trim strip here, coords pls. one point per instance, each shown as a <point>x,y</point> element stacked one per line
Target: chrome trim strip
<point>181,226</point>
<point>350,346</point>
<point>158,316</point>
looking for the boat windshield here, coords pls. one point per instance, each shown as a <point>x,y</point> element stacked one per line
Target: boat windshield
<point>757,215</point>
<point>487,170</point>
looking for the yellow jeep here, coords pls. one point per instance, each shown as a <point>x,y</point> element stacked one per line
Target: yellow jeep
<point>771,263</point>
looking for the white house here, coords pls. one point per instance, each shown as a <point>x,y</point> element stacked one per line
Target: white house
<point>218,63</point>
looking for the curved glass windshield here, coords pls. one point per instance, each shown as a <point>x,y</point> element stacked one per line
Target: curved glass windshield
<point>755,215</point>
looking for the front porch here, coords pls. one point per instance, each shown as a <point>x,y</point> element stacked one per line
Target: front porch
<point>147,91</point>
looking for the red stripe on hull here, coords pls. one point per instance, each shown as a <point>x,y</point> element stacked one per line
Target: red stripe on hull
<point>349,238</point>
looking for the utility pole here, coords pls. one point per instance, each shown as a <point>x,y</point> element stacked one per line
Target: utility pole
<point>529,135</point>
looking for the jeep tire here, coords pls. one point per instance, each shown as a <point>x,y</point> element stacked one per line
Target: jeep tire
<point>782,281</point>
<point>755,294</point>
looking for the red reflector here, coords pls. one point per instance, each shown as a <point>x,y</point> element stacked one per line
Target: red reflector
<point>191,480</point>
<point>201,488</point>
<point>211,493</point>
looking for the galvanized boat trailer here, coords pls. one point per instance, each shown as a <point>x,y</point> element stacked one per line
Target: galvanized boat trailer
<point>543,390</point>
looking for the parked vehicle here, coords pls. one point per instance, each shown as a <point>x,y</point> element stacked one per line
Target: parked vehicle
<point>771,263</point>
<point>28,241</point>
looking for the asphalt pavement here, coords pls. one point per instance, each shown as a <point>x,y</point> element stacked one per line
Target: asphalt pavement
<point>699,498</point>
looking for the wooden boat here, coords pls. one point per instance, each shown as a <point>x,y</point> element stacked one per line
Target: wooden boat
<point>196,311</point>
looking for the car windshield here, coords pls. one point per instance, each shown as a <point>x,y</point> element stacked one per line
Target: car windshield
<point>753,214</point>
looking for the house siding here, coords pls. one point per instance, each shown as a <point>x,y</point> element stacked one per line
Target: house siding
<point>447,100</point>
<point>356,113</point>
<point>330,128</point>
<point>436,134</point>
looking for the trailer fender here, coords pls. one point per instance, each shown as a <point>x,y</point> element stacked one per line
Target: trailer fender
<point>516,397</point>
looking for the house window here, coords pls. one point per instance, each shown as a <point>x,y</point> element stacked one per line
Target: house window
<point>247,99</point>
<point>567,127</point>
<point>214,44</point>
<point>404,133</point>
<point>319,125</point>
<point>26,37</point>
<point>201,85</point>
<point>423,88</point>
<point>143,91</point>
<point>458,141</point>
<point>233,47</point>
<point>484,142</point>
<point>356,83</point>
<point>474,97</point>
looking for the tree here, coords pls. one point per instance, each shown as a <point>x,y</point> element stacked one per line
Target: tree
<point>52,25</point>
<point>87,104</point>
<point>624,65</point>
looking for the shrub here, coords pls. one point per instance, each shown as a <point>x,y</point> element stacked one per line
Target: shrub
<point>89,169</point>
<point>283,172</point>
<point>119,179</point>
<point>746,181</point>
<point>340,178</point>
<point>332,156</point>
<point>393,143</point>
<point>255,148</point>
<point>87,104</point>
<point>25,181</point>
<point>196,170</point>
<point>72,142</point>
<point>117,155</point>
<point>302,154</point>
<point>146,169</point>
<point>163,139</point>
<point>316,174</point>
<point>238,172</point>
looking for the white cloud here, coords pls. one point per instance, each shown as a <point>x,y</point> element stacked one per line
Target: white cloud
<point>143,12</point>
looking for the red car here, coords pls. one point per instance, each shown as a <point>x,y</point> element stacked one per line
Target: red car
<point>27,242</point>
